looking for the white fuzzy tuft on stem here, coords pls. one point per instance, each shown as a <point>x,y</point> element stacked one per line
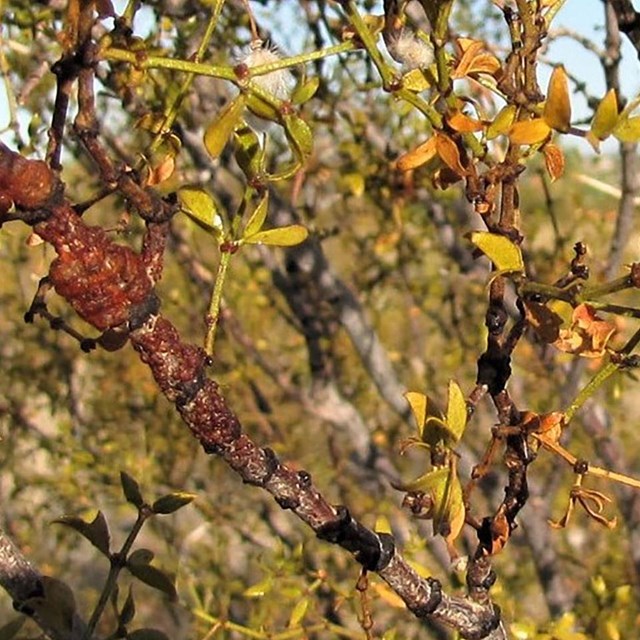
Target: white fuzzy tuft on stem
<point>410,51</point>
<point>277,83</point>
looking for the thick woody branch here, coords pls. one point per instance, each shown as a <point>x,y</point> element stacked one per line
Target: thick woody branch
<point>628,20</point>
<point>24,583</point>
<point>109,285</point>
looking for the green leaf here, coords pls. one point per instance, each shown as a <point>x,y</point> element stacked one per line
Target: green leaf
<point>10,630</point>
<point>96,531</point>
<point>502,122</point>
<point>250,155</point>
<point>305,91</point>
<point>141,556</point>
<point>426,483</point>
<point>299,135</point>
<point>154,577</point>
<point>628,129</point>
<point>262,109</point>
<point>281,236</point>
<point>201,208</point>
<point>505,254</point>
<point>220,129</point>
<point>259,589</point>
<point>128,609</point>
<point>298,613</point>
<point>172,502</point>
<point>456,411</point>
<point>257,218</point>
<point>449,510</point>
<point>147,634</point>
<point>131,490</point>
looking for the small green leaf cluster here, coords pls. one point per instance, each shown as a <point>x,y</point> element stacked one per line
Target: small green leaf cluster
<point>56,606</point>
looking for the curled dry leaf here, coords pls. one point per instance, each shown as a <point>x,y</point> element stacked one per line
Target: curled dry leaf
<point>593,502</point>
<point>545,322</point>
<point>588,335</point>
<point>449,153</point>
<point>470,48</point>
<point>500,531</point>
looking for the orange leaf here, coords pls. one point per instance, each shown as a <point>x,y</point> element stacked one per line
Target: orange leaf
<point>449,153</point>
<point>551,425</point>
<point>418,156</point>
<point>462,123</point>
<point>471,48</point>
<point>163,171</point>
<point>553,160</point>
<point>557,109</point>
<point>529,131</point>
<point>484,63</point>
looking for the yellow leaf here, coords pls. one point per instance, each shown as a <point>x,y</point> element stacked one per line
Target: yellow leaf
<point>418,156</point>
<point>281,236</point>
<point>502,122</point>
<point>557,109</point>
<point>529,131</point>
<point>456,411</point>
<point>298,613</point>
<point>382,525</point>
<point>388,596</point>
<point>606,116</point>
<point>415,80</point>
<point>259,589</point>
<point>418,403</point>
<point>505,254</point>
<point>219,131</point>
<point>449,153</point>
<point>628,129</point>
<point>354,182</point>
<point>554,161</point>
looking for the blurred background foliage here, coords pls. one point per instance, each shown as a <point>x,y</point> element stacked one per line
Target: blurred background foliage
<point>70,421</point>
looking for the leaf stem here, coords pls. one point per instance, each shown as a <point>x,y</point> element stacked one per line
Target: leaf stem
<point>173,107</point>
<point>598,380</point>
<point>213,315</point>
